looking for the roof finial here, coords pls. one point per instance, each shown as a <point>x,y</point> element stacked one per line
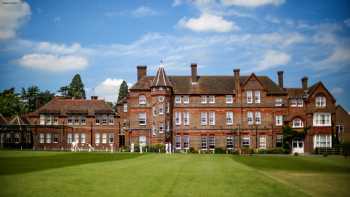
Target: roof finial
<point>161,64</point>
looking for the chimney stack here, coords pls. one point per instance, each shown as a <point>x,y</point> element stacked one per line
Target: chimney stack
<point>194,73</point>
<point>236,77</point>
<point>280,78</point>
<point>141,72</point>
<point>304,82</point>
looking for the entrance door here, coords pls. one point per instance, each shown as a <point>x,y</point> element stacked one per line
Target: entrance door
<point>298,146</point>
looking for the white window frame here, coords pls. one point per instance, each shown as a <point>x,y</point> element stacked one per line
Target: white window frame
<point>204,142</point>
<point>41,138</point>
<point>82,138</point>
<point>48,138</point>
<point>186,141</point>
<point>161,127</point>
<point>186,99</point>
<point>319,122</point>
<point>142,100</point>
<point>161,109</point>
<point>293,102</point>
<point>69,138</point>
<point>204,99</point>
<point>111,119</point>
<point>211,99</point>
<point>110,138</point>
<point>186,117</point>
<point>211,118</point>
<point>249,95</point>
<point>229,99</point>
<point>125,107</point>
<point>97,138</point>
<point>42,119</point>
<point>297,123</point>
<point>250,118</point>
<point>245,141</point>
<point>229,118</point>
<point>320,101</point>
<point>230,143</point>
<point>76,137</point>
<point>211,142</point>
<point>178,99</point>
<point>104,138</point>
<point>322,141</point>
<point>204,118</point>
<point>178,142</point>
<point>262,142</point>
<point>257,96</point>
<point>142,117</point>
<point>278,102</point>
<point>161,99</point>
<point>258,118</point>
<point>279,120</point>
<point>177,118</point>
<point>300,102</point>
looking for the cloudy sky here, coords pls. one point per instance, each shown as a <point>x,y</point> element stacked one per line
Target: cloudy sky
<point>45,43</point>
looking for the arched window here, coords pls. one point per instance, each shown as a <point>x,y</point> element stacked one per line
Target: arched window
<point>142,100</point>
<point>320,101</point>
<point>297,123</point>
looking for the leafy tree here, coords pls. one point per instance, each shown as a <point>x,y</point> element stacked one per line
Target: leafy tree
<point>74,89</point>
<point>44,97</point>
<point>33,98</point>
<point>10,103</point>
<point>123,91</point>
<point>289,134</point>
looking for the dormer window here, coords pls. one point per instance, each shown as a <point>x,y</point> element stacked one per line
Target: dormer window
<point>297,123</point>
<point>320,101</point>
<point>142,100</point>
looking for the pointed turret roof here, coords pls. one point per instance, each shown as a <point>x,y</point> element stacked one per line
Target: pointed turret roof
<point>161,79</point>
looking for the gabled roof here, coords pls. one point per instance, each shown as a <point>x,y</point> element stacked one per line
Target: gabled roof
<point>312,88</point>
<point>161,79</point>
<point>18,120</point>
<point>207,84</point>
<point>295,92</point>
<point>248,79</point>
<point>66,106</point>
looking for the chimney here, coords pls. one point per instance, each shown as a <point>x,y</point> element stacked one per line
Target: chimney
<point>280,78</point>
<point>236,77</point>
<point>94,97</point>
<point>304,82</point>
<point>194,72</point>
<point>141,72</point>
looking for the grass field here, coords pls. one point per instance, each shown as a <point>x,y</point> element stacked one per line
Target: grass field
<point>52,174</point>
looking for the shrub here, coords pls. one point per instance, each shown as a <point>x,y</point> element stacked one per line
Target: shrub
<point>220,151</point>
<point>246,151</point>
<point>192,150</point>
<point>296,154</point>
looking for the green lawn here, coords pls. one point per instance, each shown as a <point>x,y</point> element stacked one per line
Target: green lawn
<point>52,174</point>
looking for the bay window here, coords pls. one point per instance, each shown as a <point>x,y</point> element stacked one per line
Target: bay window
<point>322,141</point>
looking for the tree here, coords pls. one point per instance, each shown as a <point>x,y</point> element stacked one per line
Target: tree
<point>33,98</point>
<point>75,89</point>
<point>289,134</point>
<point>10,103</point>
<point>123,91</point>
<point>44,97</point>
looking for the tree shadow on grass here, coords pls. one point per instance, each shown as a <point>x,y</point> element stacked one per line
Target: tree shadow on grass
<point>18,165</point>
<point>296,164</point>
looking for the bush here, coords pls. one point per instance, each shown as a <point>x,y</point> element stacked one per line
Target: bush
<point>192,150</point>
<point>156,148</point>
<point>246,151</point>
<point>220,151</point>
<point>296,154</point>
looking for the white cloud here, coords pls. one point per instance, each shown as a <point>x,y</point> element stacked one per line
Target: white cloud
<point>339,58</point>
<point>252,3</point>
<point>12,15</point>
<point>285,39</point>
<point>48,47</point>
<point>272,59</point>
<point>108,89</point>
<point>208,23</point>
<point>347,22</point>
<point>337,90</point>
<point>143,11</point>
<point>53,63</point>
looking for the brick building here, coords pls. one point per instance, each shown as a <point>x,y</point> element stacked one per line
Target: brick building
<point>61,122</point>
<point>229,112</point>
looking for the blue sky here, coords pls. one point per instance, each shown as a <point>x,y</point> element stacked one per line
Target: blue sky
<point>45,43</point>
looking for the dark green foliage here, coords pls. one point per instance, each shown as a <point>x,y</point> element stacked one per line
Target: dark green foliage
<point>123,91</point>
<point>192,150</point>
<point>75,89</point>
<point>289,134</point>
<point>11,103</point>
<point>220,151</point>
<point>156,148</point>
<point>247,151</point>
<point>34,98</point>
<point>273,151</point>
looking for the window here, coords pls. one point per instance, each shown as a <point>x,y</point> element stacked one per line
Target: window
<point>279,120</point>
<point>340,131</point>
<point>203,99</point>
<point>97,121</point>
<point>161,128</point>
<point>211,99</point>
<point>322,119</point>
<point>229,142</point>
<point>250,118</point>
<point>167,107</point>
<point>160,99</point>
<point>125,107</point>
<point>167,126</point>
<point>249,96</point>
<point>211,142</point>
<point>211,118</point>
<point>154,110</point>
<point>76,120</point>
<point>83,120</point>
<point>83,138</point>
<point>278,102</point>
<point>76,137</point>
<point>229,118</point>
<point>322,141</point>
<point>279,140</point>
<point>186,118</point>
<point>177,99</point>
<point>204,142</point>
<point>257,97</point>
<point>111,120</point>
<point>104,138</point>
<point>257,118</point>
<point>293,103</point>
<point>297,123</point>
<point>142,118</point>
<point>110,138</point>
<point>142,100</point>
<point>161,109</point>
<point>245,141</point>
<point>104,119</point>
<point>178,142</point>
<point>229,99</point>
<point>42,138</point>
<point>48,120</point>
<point>186,140</point>
<point>70,120</point>
<point>186,99</point>
<point>320,101</point>
<point>69,138</point>
<point>204,118</point>
<point>55,138</point>
<point>55,120</point>
<point>262,142</point>
<point>300,102</point>
<point>42,119</point>
<point>48,138</point>
<point>177,118</point>
<point>97,138</point>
